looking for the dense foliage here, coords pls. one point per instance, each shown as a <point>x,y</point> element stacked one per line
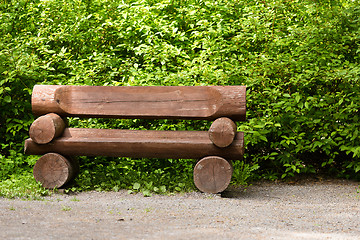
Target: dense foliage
<point>298,59</point>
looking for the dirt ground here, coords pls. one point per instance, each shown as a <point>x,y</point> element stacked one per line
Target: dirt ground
<point>310,210</point>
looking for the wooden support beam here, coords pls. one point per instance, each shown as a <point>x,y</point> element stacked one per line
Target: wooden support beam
<point>212,174</point>
<point>137,143</point>
<point>152,102</point>
<point>222,132</point>
<point>54,170</point>
<point>46,128</point>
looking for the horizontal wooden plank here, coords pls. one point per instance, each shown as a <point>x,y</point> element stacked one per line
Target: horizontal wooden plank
<point>153,102</point>
<point>137,143</point>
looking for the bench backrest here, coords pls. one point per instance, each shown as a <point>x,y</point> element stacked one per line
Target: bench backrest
<point>152,102</point>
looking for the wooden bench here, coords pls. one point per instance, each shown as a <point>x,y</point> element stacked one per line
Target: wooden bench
<point>215,148</point>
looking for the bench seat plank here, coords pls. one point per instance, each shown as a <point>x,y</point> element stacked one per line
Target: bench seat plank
<point>137,143</point>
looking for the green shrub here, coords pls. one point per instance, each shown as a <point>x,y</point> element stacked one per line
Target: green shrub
<point>298,59</point>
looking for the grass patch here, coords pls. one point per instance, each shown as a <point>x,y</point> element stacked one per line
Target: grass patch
<point>22,186</point>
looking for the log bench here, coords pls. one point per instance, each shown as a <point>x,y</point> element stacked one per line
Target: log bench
<point>215,148</point>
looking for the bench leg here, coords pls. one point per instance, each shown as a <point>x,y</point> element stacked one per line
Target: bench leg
<point>54,170</point>
<point>212,174</point>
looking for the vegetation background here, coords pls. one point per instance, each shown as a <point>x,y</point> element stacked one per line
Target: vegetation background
<point>298,58</point>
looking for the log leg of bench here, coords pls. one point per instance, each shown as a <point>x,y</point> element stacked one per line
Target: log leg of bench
<point>54,170</point>
<point>212,174</point>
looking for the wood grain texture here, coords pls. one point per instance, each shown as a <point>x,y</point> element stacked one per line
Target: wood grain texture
<point>54,170</point>
<point>137,143</point>
<point>43,101</point>
<point>46,128</point>
<point>212,174</point>
<point>152,102</point>
<point>222,132</point>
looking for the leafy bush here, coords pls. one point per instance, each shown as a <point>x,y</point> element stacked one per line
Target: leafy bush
<point>298,59</point>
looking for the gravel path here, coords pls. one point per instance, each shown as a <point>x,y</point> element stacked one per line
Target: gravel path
<point>318,210</point>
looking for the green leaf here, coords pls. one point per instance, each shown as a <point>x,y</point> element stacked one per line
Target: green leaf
<point>307,105</point>
<point>341,101</point>
<point>286,95</point>
<point>163,189</point>
<point>136,186</point>
<point>263,138</point>
<point>146,193</point>
<point>7,99</point>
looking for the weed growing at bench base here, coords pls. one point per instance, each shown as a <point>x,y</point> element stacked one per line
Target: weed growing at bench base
<point>22,186</point>
<point>145,175</point>
<point>108,174</point>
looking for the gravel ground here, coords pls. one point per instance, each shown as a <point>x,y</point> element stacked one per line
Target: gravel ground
<point>311,210</point>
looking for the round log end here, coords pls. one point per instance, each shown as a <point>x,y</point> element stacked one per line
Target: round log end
<point>54,170</point>
<point>45,128</point>
<point>212,174</point>
<point>222,132</point>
